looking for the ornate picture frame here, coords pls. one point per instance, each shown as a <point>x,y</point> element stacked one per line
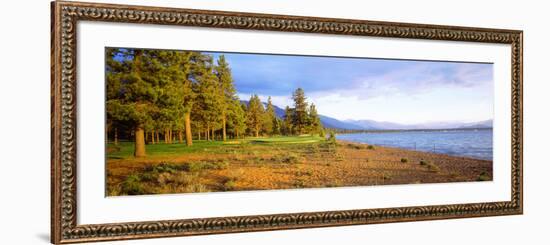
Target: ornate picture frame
<point>64,188</point>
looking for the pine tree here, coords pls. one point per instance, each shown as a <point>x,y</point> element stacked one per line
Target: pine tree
<point>277,124</point>
<point>209,97</point>
<point>114,74</point>
<point>314,120</point>
<point>134,97</point>
<point>188,65</point>
<point>288,121</point>
<point>225,79</point>
<point>270,118</point>
<point>300,117</point>
<point>237,118</point>
<point>255,112</point>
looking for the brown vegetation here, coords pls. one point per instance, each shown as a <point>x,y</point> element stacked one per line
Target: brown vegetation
<point>267,167</point>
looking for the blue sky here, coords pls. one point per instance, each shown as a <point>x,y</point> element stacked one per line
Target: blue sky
<point>401,91</point>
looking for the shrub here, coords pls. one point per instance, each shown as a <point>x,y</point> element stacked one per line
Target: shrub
<point>198,166</point>
<point>332,138</point>
<point>114,190</point>
<point>148,176</point>
<point>386,176</point>
<point>164,178</point>
<point>370,147</point>
<point>132,185</point>
<point>222,164</point>
<point>230,181</point>
<point>234,174</point>
<point>339,157</point>
<point>404,160</point>
<point>196,187</point>
<point>299,183</point>
<point>214,165</point>
<point>355,146</point>
<point>483,176</point>
<point>163,168</point>
<point>313,149</point>
<point>432,167</point>
<point>192,166</point>
<point>305,172</point>
<point>322,133</point>
<point>258,159</point>
<point>229,185</point>
<point>423,163</point>
<point>334,183</point>
<point>292,158</point>
<point>183,178</point>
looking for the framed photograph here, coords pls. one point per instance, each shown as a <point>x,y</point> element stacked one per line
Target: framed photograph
<point>175,122</point>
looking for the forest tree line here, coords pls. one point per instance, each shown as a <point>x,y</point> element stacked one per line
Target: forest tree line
<point>176,96</point>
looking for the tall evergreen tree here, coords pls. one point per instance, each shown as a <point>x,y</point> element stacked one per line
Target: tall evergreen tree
<point>115,71</point>
<point>270,118</point>
<point>300,111</point>
<point>255,114</point>
<point>137,75</point>
<point>288,121</point>
<point>188,65</point>
<point>225,79</point>
<point>237,118</point>
<point>209,97</point>
<point>314,120</point>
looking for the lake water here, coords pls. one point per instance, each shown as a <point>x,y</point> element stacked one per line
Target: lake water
<point>468,143</point>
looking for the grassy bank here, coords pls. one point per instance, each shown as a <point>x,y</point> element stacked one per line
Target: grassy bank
<point>278,163</point>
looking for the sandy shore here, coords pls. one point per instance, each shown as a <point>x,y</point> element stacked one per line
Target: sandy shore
<point>352,164</point>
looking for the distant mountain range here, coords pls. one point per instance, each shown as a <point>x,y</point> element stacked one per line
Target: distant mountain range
<point>329,122</point>
<point>371,124</point>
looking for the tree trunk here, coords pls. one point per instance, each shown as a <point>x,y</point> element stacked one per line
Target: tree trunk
<point>213,135</point>
<point>166,136</point>
<point>173,139</point>
<point>158,136</point>
<point>223,127</point>
<point>257,131</point>
<point>207,133</point>
<point>146,136</point>
<point>188,135</point>
<point>199,135</point>
<point>180,136</point>
<point>139,144</point>
<point>116,136</point>
<point>153,136</point>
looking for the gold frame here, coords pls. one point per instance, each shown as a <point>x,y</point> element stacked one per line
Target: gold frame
<point>65,15</point>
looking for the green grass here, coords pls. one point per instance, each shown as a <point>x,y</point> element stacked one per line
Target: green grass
<point>125,150</point>
<point>287,140</point>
